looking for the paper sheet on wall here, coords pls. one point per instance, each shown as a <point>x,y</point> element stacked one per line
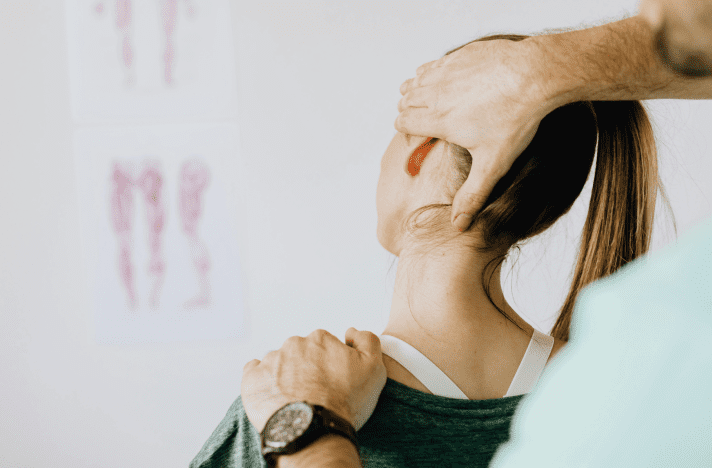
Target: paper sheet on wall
<point>158,208</point>
<point>150,60</point>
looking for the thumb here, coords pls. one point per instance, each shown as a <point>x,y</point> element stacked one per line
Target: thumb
<point>471,197</point>
<point>364,341</point>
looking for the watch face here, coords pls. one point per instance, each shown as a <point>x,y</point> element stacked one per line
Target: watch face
<point>291,422</point>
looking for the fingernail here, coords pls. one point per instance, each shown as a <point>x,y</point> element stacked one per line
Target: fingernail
<point>463,220</point>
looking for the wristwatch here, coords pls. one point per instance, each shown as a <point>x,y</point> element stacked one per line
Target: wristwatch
<point>298,424</point>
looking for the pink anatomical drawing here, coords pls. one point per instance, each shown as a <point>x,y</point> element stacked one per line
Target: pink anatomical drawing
<point>169,10</point>
<point>122,212</point>
<point>141,61</point>
<point>194,178</point>
<point>150,185</point>
<point>150,182</point>
<point>159,231</point>
<point>124,23</point>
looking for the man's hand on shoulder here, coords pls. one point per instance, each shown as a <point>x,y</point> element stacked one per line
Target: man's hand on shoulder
<point>319,369</point>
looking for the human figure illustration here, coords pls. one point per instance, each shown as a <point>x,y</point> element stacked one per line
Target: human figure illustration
<point>169,13</point>
<point>151,184</point>
<point>124,25</point>
<point>194,179</point>
<point>122,212</point>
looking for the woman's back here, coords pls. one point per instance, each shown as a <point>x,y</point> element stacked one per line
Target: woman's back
<point>483,375</point>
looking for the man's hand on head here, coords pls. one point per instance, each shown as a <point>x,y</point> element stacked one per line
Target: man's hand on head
<point>487,97</point>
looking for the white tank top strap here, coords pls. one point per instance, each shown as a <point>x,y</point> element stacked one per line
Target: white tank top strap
<point>532,364</point>
<point>437,382</point>
<point>421,367</point>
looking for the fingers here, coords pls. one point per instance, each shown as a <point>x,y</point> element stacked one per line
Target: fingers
<point>425,96</point>
<point>418,121</point>
<point>432,73</point>
<point>250,365</point>
<point>410,84</point>
<point>434,64</point>
<point>404,87</point>
<point>418,108</point>
<point>364,341</point>
<point>319,335</point>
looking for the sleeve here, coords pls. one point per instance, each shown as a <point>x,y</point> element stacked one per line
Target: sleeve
<point>632,387</point>
<point>234,443</point>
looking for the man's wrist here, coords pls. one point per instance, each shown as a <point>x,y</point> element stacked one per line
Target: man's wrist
<point>613,62</point>
<point>328,451</point>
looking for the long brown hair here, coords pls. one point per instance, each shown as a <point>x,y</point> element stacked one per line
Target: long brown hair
<point>547,178</point>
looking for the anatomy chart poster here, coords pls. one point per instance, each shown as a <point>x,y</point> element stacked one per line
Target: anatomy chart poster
<point>150,60</point>
<point>159,212</point>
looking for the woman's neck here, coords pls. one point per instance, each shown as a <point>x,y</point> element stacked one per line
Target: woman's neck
<point>442,294</point>
<point>439,307</point>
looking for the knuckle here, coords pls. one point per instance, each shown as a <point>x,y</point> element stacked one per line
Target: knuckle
<point>402,104</point>
<point>248,365</point>
<point>404,87</point>
<point>471,199</point>
<point>292,341</point>
<point>318,335</point>
<point>266,359</point>
<point>402,124</point>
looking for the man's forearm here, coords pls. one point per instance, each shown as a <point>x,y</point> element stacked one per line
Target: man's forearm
<point>329,451</point>
<point>613,62</point>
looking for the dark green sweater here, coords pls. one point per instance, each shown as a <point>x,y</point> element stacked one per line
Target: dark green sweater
<point>408,429</point>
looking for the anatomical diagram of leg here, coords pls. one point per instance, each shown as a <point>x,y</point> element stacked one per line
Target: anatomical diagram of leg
<point>169,13</point>
<point>168,17</point>
<point>150,182</point>
<point>194,179</point>
<point>124,25</point>
<point>122,211</point>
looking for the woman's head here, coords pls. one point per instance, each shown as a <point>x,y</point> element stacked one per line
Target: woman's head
<point>541,186</point>
<point>399,193</point>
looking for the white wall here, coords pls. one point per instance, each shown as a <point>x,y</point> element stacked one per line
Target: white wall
<point>318,89</point>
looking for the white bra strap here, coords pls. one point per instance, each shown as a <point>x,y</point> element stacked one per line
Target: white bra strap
<point>532,365</point>
<point>421,367</point>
